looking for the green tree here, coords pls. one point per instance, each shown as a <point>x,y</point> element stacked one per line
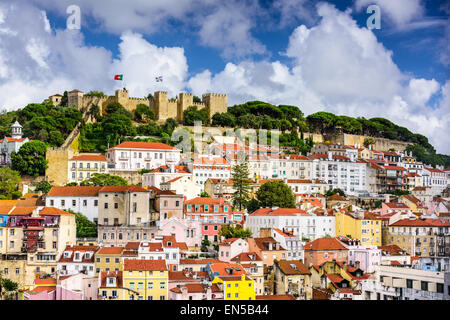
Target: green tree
<point>104,179</point>
<point>30,160</point>
<point>169,126</point>
<point>204,194</point>
<point>9,184</point>
<point>85,227</point>
<point>205,244</point>
<point>338,191</point>
<point>143,113</point>
<point>275,194</point>
<point>228,231</point>
<point>241,183</point>
<point>368,141</point>
<point>196,99</point>
<point>43,186</point>
<point>192,114</point>
<point>8,289</point>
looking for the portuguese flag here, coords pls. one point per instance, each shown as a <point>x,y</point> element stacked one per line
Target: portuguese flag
<point>118,77</point>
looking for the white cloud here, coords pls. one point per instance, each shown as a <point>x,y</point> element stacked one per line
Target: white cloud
<point>400,12</point>
<point>341,68</point>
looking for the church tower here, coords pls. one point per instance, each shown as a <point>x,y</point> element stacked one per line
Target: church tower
<point>16,130</point>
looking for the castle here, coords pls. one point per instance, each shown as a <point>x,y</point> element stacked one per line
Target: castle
<point>161,105</point>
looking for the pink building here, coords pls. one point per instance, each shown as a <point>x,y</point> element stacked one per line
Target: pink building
<point>184,230</point>
<point>177,279</point>
<point>230,248</point>
<point>77,287</point>
<point>212,214</point>
<point>167,203</point>
<point>393,207</point>
<point>196,291</point>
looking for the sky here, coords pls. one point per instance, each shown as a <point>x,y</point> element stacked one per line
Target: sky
<point>317,55</point>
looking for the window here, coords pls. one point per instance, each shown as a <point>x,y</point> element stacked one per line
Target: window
<point>409,283</point>
<point>116,205</point>
<point>424,285</point>
<point>439,287</point>
<point>162,285</point>
<point>106,205</point>
<point>150,285</point>
<point>95,203</point>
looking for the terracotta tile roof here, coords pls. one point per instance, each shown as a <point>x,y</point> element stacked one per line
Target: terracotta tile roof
<point>108,274</point>
<point>187,275</point>
<point>411,198</point>
<point>111,250</point>
<point>191,288</point>
<point>263,244</point>
<point>395,263</point>
<point>198,261</point>
<point>228,242</point>
<point>30,200</point>
<point>206,160</point>
<point>275,297</point>
<point>324,244</point>
<point>233,278</point>
<point>396,205</point>
<point>334,278</point>
<point>43,289</point>
<point>336,197</point>
<point>321,294</point>
<point>144,145</point>
<point>292,267</point>
<point>246,256</point>
<point>5,209</point>
<point>145,265</point>
<point>181,169</point>
<point>74,249</point>
<point>74,191</point>
<point>152,246</point>
<point>7,203</point>
<point>203,200</point>
<point>122,189</point>
<point>48,281</point>
<point>132,245</point>
<point>51,211</point>
<point>280,212</point>
<point>22,210</point>
<point>397,168</point>
<point>421,223</point>
<point>88,157</point>
<point>9,139</point>
<point>227,269</point>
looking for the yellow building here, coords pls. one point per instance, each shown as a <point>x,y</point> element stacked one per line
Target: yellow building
<point>145,279</point>
<point>111,286</point>
<point>239,287</point>
<point>363,226</point>
<point>108,259</point>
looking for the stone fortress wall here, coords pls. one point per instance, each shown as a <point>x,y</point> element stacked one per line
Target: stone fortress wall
<point>161,105</point>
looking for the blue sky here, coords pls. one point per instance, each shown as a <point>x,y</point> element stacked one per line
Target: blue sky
<point>318,55</point>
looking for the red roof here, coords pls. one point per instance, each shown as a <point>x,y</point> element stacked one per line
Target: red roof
<point>74,191</point>
<point>324,244</point>
<point>279,212</point>
<point>113,274</point>
<point>421,223</point>
<point>227,269</point>
<point>394,168</point>
<point>51,211</point>
<point>110,250</point>
<point>206,160</point>
<point>198,261</point>
<point>144,145</point>
<point>88,157</point>
<point>275,297</point>
<point>145,265</point>
<point>122,189</point>
<point>48,281</point>
<point>202,200</point>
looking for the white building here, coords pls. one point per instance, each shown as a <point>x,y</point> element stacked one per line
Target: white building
<point>404,283</point>
<point>306,186</point>
<point>10,144</point>
<point>83,166</point>
<point>163,174</point>
<point>340,172</point>
<point>82,200</point>
<point>436,179</point>
<point>162,248</point>
<point>77,259</point>
<point>134,156</point>
<point>210,166</point>
<point>291,242</point>
<point>304,224</point>
<point>182,185</point>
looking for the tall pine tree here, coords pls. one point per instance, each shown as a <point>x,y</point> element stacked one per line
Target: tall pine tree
<point>241,183</point>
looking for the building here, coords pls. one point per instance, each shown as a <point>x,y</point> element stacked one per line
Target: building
<point>35,238</point>
<point>167,204</point>
<point>253,266</point>
<point>294,278</point>
<point>183,230</point>
<point>10,144</point>
<point>229,248</point>
<point>366,257</point>
<point>77,259</point>
<point>163,174</point>
<point>119,236</point>
<point>307,186</point>
<point>437,180</point>
<point>80,199</point>
<point>232,280</point>
<point>209,166</point>
<point>421,237</point>
<point>83,166</point>
<point>325,249</point>
<point>212,214</point>
<point>182,185</point>
<point>108,259</point>
<point>145,279</point>
<point>135,156</point>
<point>307,225</point>
<point>405,283</point>
<point>361,225</point>
<point>292,242</point>
<point>123,206</point>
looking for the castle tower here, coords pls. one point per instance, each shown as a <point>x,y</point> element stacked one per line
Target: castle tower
<point>161,105</point>
<point>75,98</point>
<point>122,96</point>
<point>55,99</point>
<point>16,130</point>
<point>215,102</point>
<point>185,100</point>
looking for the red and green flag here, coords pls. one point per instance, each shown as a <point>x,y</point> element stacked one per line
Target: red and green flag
<point>118,77</point>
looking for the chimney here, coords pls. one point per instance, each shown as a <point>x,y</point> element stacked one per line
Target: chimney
<point>386,198</point>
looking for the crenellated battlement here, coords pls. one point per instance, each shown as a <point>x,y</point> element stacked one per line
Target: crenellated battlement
<point>161,104</point>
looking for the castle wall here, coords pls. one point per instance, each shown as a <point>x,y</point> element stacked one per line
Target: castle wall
<point>133,177</point>
<point>215,102</point>
<point>57,171</point>
<point>381,144</point>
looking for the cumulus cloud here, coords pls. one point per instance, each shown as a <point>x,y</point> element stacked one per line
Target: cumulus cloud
<point>341,68</point>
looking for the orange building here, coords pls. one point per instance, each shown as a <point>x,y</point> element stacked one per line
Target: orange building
<point>325,249</point>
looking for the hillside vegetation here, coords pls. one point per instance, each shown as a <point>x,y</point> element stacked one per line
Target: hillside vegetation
<point>45,122</point>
